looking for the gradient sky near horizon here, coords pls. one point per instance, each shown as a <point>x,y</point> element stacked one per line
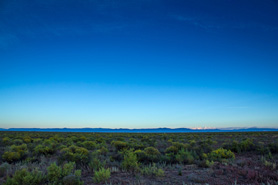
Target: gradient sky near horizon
<point>138,63</point>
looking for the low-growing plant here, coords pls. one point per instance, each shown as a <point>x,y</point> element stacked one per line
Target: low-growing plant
<point>130,161</point>
<point>152,154</point>
<point>66,174</point>
<point>185,156</point>
<point>24,177</point>
<point>119,145</point>
<point>152,170</point>
<point>90,145</point>
<point>220,154</point>
<point>15,153</point>
<point>101,175</point>
<point>75,154</point>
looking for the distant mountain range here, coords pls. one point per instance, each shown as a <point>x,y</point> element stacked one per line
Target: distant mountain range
<point>146,130</point>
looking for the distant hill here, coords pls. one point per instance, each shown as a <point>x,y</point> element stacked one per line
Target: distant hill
<point>147,130</point>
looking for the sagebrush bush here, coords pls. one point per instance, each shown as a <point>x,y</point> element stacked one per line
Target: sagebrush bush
<point>119,145</point>
<point>90,145</point>
<point>58,175</point>
<point>219,154</point>
<point>101,175</point>
<point>45,150</point>
<point>130,161</point>
<point>152,170</point>
<point>6,140</point>
<point>11,156</point>
<point>152,154</point>
<point>184,156</point>
<point>75,154</point>
<point>24,177</point>
<point>54,173</point>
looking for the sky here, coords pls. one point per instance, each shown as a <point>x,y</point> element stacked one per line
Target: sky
<point>138,63</point>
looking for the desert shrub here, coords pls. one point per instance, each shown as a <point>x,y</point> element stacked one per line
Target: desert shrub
<point>101,175</point>
<point>96,164</point>
<point>100,140</point>
<point>66,174</point>
<point>192,142</point>
<point>141,155</point>
<point>103,150</point>
<point>17,141</point>
<point>3,169</point>
<point>21,149</point>
<point>234,146</point>
<point>220,154</point>
<point>247,145</point>
<point>206,164</point>
<point>72,179</point>
<point>184,156</point>
<point>82,138</point>
<point>119,145</point>
<point>172,149</point>
<point>37,140</point>
<point>90,145</point>
<point>45,150</point>
<point>24,177</point>
<point>75,154</point>
<point>152,170</point>
<point>11,156</point>
<point>27,139</point>
<point>54,173</point>
<point>6,140</point>
<point>179,145</point>
<point>15,153</point>
<point>152,154</point>
<point>130,161</point>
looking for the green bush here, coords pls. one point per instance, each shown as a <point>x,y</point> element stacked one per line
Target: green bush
<point>90,145</point>
<point>45,150</point>
<point>220,154</point>
<point>96,164</point>
<point>152,154</point>
<point>130,161</point>
<point>66,174</point>
<point>24,177</point>
<point>54,173</point>
<point>75,154</point>
<point>27,139</point>
<point>172,149</point>
<point>141,155</point>
<point>11,156</point>
<point>6,140</point>
<point>101,175</point>
<point>152,170</point>
<point>119,145</point>
<point>21,149</point>
<point>245,145</point>
<point>185,156</point>
<point>15,153</point>
<point>17,141</point>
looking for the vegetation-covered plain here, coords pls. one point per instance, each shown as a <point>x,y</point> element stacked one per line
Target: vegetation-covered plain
<point>29,158</point>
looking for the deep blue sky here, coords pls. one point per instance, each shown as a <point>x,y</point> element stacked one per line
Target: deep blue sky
<point>138,64</point>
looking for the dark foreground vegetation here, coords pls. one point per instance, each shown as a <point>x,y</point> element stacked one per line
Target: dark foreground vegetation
<point>29,158</point>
